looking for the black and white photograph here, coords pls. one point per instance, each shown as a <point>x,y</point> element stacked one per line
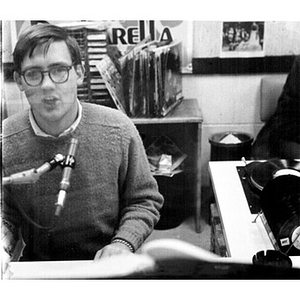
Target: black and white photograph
<point>242,39</point>
<point>154,158</point>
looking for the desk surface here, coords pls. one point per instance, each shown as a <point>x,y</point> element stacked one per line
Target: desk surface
<point>243,237</point>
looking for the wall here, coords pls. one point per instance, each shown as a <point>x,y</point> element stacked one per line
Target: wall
<point>280,38</point>
<point>232,102</point>
<point>14,99</point>
<point>228,103</point>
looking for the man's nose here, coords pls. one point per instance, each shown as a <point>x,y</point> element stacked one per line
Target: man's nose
<point>47,82</point>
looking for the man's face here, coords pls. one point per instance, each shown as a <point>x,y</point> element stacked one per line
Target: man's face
<point>52,103</point>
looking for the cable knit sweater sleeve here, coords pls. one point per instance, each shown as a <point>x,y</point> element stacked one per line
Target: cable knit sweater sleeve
<point>141,200</point>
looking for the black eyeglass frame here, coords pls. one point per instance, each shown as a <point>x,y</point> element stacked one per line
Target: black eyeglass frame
<point>68,68</point>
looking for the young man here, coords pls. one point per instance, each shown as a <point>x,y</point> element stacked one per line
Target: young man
<point>112,203</point>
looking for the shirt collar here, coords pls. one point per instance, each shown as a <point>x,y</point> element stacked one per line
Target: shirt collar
<point>39,132</point>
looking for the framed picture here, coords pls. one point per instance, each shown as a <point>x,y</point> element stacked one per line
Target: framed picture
<point>242,39</point>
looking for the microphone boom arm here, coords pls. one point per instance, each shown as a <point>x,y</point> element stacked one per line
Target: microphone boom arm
<point>33,175</point>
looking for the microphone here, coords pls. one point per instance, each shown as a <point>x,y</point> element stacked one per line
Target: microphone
<point>33,175</point>
<point>68,167</point>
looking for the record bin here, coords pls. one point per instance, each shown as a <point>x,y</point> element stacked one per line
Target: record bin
<point>151,74</point>
<point>146,81</point>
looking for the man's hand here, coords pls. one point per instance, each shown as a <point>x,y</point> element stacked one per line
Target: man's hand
<point>112,249</point>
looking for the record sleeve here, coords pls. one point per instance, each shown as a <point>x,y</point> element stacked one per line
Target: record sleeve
<point>113,81</point>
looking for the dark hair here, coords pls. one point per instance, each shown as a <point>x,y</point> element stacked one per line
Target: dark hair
<point>40,34</point>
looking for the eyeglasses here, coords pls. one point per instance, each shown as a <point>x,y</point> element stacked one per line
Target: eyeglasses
<point>58,74</point>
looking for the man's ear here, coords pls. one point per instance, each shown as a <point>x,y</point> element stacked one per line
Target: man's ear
<point>79,69</point>
<point>18,80</point>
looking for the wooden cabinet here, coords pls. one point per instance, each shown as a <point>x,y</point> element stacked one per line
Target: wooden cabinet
<point>183,126</point>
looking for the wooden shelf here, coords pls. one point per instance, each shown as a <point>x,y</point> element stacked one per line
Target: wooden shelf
<point>183,125</point>
<point>187,111</point>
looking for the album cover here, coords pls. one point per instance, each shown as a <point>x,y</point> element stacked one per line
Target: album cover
<point>113,81</point>
<point>172,81</point>
<point>168,81</point>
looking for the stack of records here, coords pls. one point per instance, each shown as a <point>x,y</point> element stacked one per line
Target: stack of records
<point>150,76</point>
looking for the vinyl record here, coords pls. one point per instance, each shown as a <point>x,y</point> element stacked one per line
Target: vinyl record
<point>280,203</point>
<point>289,236</point>
<point>261,173</point>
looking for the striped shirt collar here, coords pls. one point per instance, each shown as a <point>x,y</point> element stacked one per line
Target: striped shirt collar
<point>39,132</point>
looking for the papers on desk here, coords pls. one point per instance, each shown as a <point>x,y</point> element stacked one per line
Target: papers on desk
<point>118,266</point>
<point>162,258</point>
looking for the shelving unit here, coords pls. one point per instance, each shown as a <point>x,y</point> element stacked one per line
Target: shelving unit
<point>183,125</point>
<point>93,47</point>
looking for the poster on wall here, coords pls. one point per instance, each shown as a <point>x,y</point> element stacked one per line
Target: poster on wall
<point>126,34</point>
<point>242,39</point>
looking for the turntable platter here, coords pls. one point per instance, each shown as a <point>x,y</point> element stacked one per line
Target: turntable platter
<point>262,172</point>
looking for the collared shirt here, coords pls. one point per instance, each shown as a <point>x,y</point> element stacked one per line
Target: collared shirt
<point>38,131</point>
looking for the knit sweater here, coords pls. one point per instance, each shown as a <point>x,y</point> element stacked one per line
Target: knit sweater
<point>112,192</point>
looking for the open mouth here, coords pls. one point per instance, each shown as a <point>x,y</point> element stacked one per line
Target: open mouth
<point>50,101</point>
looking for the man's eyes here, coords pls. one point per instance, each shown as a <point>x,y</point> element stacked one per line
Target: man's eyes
<point>58,69</point>
<point>33,72</point>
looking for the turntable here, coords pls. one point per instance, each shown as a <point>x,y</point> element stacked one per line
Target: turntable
<point>259,205</point>
<point>260,173</point>
<point>272,189</point>
<point>256,174</point>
